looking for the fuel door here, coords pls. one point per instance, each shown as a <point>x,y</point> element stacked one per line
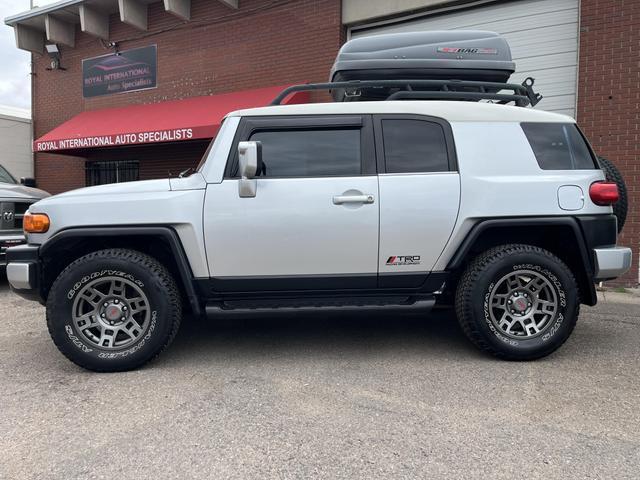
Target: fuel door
<point>570,197</point>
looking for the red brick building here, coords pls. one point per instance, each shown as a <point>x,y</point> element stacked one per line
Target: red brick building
<point>583,54</point>
<point>262,43</point>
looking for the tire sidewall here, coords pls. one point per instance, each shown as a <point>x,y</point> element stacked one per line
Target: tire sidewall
<point>561,326</point>
<point>75,345</point>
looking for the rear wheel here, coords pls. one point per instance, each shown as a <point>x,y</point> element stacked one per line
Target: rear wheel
<point>517,302</point>
<point>113,310</point>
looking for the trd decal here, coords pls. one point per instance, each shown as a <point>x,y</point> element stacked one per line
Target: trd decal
<point>403,260</point>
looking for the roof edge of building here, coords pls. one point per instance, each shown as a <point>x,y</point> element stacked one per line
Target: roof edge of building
<point>36,11</point>
<point>15,113</point>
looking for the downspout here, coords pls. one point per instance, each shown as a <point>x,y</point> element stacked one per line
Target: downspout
<point>33,121</point>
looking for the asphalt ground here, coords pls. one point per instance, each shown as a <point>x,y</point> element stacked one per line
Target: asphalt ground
<point>310,396</point>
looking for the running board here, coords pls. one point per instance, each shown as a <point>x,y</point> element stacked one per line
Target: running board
<point>324,305</point>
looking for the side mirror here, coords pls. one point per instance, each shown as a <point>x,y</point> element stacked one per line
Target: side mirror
<point>28,182</point>
<point>250,162</point>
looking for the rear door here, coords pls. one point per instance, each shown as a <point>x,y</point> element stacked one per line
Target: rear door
<point>313,223</point>
<point>419,195</point>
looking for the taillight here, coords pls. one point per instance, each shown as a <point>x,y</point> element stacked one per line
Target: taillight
<point>604,193</point>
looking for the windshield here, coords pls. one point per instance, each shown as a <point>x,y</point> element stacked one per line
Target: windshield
<point>6,177</point>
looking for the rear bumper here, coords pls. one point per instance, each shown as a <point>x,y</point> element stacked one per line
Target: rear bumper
<point>23,271</point>
<point>611,262</point>
<point>600,233</point>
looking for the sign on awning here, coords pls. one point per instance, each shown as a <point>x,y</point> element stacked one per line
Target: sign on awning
<point>163,122</point>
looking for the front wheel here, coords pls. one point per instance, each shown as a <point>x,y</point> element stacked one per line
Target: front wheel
<point>113,310</point>
<point>517,302</point>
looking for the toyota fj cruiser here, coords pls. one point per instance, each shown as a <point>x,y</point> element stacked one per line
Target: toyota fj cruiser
<point>405,192</point>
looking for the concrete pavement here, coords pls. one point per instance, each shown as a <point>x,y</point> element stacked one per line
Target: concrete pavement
<point>314,397</point>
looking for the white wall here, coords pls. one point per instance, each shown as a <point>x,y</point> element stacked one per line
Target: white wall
<point>542,34</point>
<point>15,145</point>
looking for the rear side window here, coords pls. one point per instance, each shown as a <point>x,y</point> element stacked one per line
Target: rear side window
<point>310,153</point>
<point>559,146</point>
<point>414,146</point>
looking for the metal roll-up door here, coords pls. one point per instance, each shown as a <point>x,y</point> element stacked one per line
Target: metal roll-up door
<point>543,35</point>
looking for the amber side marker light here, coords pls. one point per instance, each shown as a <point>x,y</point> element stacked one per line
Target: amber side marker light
<point>35,223</point>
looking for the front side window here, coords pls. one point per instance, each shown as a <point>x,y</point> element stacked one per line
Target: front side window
<point>414,146</point>
<point>310,152</point>
<point>559,146</point>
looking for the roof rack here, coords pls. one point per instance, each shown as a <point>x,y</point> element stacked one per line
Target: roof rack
<point>522,96</point>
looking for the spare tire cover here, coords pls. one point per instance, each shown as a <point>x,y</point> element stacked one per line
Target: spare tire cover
<point>612,174</point>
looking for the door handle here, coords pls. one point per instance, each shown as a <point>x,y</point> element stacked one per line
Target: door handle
<point>342,199</point>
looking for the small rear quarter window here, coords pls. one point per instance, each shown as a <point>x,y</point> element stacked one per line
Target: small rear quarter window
<point>559,146</point>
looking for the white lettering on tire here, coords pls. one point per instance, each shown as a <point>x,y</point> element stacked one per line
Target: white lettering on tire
<point>109,355</point>
<point>75,340</point>
<point>92,276</point>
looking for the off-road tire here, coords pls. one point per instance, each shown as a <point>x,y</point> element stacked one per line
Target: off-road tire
<point>612,174</point>
<point>479,280</point>
<point>149,275</point>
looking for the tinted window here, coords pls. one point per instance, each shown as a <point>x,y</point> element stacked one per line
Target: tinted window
<point>414,146</point>
<point>310,153</point>
<point>558,146</point>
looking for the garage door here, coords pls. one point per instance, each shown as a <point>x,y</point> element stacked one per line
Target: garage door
<point>543,35</point>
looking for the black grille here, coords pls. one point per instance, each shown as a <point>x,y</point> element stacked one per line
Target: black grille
<point>11,214</point>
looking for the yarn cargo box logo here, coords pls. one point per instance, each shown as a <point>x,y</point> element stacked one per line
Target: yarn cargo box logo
<point>125,71</point>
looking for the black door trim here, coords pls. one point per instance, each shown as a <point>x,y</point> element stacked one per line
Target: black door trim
<point>293,283</point>
<point>297,286</point>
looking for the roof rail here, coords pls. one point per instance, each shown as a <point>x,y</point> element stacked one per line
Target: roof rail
<point>522,95</point>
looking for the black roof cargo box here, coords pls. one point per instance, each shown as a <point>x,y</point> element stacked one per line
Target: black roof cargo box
<point>432,55</point>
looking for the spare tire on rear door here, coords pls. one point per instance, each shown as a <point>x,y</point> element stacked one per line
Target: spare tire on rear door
<point>612,174</point>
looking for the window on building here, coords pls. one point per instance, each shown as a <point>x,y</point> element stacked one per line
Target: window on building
<point>5,176</point>
<point>413,146</point>
<point>559,146</point>
<point>101,173</point>
<point>310,153</point>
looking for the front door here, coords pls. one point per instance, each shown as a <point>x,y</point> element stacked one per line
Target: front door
<point>313,223</point>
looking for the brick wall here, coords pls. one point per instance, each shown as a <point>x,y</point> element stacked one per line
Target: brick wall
<point>609,98</point>
<point>264,43</point>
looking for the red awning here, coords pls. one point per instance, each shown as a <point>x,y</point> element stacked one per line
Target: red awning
<point>171,121</point>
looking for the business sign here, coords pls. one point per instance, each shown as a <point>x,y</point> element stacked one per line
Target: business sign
<point>125,71</point>
<point>122,139</point>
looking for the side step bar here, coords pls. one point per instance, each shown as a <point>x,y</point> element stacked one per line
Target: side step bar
<point>287,306</point>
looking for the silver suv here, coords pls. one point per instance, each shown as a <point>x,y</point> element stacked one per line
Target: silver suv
<point>500,211</point>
